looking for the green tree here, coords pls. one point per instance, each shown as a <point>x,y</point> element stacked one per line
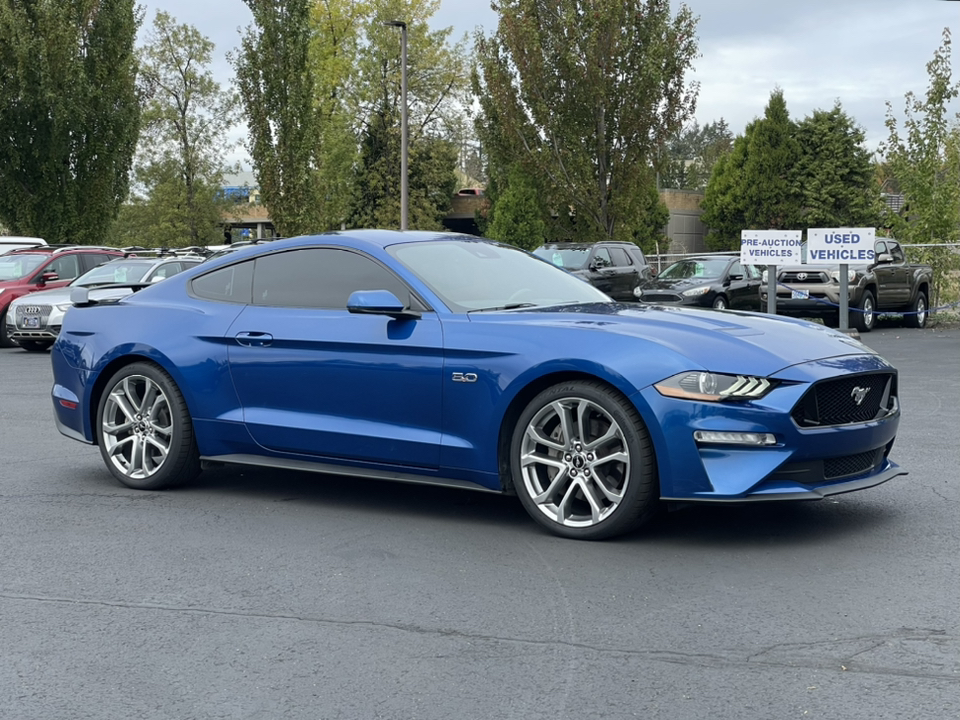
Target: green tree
<point>688,159</point>
<point>436,92</point>
<point>69,115</point>
<point>518,218</point>
<point>723,203</point>
<point>581,93</point>
<point>925,162</point>
<point>835,175</point>
<point>277,88</point>
<point>186,119</point>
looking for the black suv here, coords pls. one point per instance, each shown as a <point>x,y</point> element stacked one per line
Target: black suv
<point>616,268</point>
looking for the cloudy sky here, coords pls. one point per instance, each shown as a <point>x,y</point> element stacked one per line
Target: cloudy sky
<point>860,52</point>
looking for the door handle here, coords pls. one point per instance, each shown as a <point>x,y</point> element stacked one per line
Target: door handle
<point>254,339</point>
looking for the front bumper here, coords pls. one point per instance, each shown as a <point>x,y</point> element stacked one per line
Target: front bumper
<point>807,462</point>
<point>804,300</point>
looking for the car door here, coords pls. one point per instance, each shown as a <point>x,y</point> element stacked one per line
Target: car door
<point>601,272</point>
<point>901,277</point>
<point>740,288</point>
<point>626,274</point>
<point>315,379</point>
<point>67,268</point>
<point>886,275</point>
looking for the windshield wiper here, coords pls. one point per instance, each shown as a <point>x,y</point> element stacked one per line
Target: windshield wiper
<point>509,306</point>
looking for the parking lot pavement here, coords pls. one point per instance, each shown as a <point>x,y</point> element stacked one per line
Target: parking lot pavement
<point>262,594</point>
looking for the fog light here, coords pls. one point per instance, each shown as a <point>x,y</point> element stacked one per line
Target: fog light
<point>734,438</point>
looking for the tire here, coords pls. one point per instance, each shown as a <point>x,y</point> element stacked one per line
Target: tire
<point>35,345</point>
<point>867,317</point>
<point>557,474</point>
<point>720,302</point>
<point>144,429</point>
<point>919,310</point>
<point>832,321</point>
<point>5,342</point>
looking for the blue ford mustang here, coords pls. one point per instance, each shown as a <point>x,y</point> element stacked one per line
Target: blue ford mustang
<point>452,360</point>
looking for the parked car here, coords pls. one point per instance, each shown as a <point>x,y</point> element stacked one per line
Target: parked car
<point>615,268</point>
<point>13,242</point>
<point>889,284</point>
<point>44,267</point>
<point>34,320</point>
<point>711,281</point>
<point>434,358</point>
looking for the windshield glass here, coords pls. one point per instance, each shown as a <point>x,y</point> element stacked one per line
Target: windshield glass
<point>14,267</point>
<point>120,271</point>
<point>569,258</point>
<point>695,269</point>
<point>478,275</point>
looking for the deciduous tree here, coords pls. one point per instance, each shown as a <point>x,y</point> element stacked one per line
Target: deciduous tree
<point>69,115</point>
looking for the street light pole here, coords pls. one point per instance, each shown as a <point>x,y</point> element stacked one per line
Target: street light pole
<point>404,189</point>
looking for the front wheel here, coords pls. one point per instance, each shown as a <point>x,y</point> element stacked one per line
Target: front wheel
<point>865,318</point>
<point>720,303</point>
<point>583,463</point>
<point>5,342</point>
<point>918,312</point>
<point>145,433</point>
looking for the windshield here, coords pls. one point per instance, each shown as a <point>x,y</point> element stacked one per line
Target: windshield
<point>14,267</point>
<point>121,271</point>
<point>478,275</point>
<point>569,258</point>
<point>695,269</point>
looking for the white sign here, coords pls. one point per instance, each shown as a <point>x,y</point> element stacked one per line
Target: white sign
<point>770,247</point>
<point>840,246</point>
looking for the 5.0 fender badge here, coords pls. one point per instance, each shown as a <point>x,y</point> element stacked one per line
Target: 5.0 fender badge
<point>465,377</point>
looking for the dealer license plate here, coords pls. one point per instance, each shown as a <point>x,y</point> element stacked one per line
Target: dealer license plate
<point>31,321</point>
<point>799,295</point>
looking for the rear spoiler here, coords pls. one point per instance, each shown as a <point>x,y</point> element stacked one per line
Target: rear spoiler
<point>80,297</point>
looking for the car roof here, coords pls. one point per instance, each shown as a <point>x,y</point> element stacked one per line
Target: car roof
<point>379,238</point>
<point>577,245</point>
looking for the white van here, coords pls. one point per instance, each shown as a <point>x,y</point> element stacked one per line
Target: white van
<point>12,242</point>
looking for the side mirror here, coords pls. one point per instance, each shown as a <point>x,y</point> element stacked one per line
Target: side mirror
<point>884,258</point>
<point>48,277</point>
<point>379,302</point>
<point>736,276</point>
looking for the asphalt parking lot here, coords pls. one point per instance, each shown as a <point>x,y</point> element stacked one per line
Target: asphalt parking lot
<point>262,594</point>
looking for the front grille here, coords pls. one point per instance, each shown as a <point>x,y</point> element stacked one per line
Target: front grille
<point>661,297</point>
<point>834,402</point>
<point>809,277</point>
<point>24,310</point>
<point>852,465</point>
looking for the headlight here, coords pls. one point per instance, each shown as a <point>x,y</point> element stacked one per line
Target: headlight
<point>764,277</point>
<point>714,387</point>
<point>851,276</point>
<point>696,292</point>
<point>64,307</point>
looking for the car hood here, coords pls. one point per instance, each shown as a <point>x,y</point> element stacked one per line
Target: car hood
<point>678,284</point>
<point>45,297</point>
<point>727,342</point>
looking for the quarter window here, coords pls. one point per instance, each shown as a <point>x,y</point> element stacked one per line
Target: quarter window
<point>320,278</point>
<point>620,257</point>
<point>229,284</point>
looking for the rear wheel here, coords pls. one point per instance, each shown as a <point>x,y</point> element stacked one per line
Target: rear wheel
<point>35,345</point>
<point>918,312</point>
<point>865,317</point>
<point>145,431</point>
<point>583,463</point>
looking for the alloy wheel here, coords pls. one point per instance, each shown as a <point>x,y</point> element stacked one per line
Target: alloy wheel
<point>137,427</point>
<point>575,462</point>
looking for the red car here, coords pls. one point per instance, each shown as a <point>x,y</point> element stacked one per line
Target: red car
<point>43,268</point>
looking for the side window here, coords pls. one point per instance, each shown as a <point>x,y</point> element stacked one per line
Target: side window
<point>620,257</point>
<point>879,248</point>
<point>229,284</point>
<point>601,258</point>
<point>66,267</point>
<point>89,261</point>
<point>164,271</point>
<point>897,252</point>
<point>737,269</point>
<point>319,278</point>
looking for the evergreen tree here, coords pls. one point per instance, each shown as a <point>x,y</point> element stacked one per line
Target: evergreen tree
<point>723,204</point>
<point>69,115</point>
<point>518,215</point>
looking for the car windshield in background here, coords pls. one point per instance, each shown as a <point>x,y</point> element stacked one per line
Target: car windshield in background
<point>568,258</point>
<point>476,275</point>
<point>14,267</point>
<point>694,269</point>
<point>124,271</point>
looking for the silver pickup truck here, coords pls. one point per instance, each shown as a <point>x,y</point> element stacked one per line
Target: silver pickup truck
<point>889,284</point>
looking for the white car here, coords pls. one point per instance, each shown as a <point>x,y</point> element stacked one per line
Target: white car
<point>12,242</point>
<point>34,320</point>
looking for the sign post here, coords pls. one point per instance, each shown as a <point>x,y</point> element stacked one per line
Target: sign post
<point>841,246</point>
<point>770,248</point>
